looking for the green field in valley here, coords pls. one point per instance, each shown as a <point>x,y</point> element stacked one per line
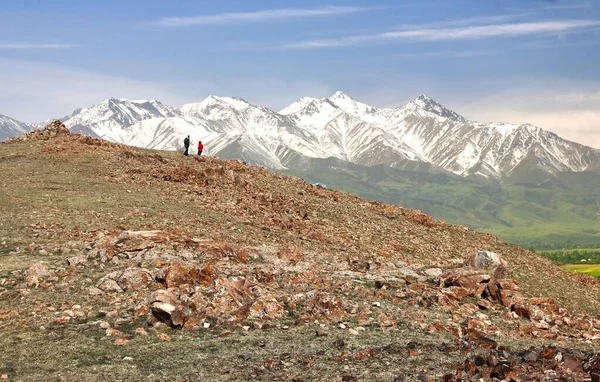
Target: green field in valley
<point>542,212</point>
<point>588,269</point>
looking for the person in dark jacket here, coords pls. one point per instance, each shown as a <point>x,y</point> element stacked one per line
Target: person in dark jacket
<point>186,144</point>
<point>200,148</point>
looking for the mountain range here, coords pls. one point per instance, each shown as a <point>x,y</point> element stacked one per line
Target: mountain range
<point>421,133</point>
<point>523,183</point>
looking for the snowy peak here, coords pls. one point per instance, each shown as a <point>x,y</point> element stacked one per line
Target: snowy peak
<point>300,105</point>
<point>340,95</point>
<point>112,115</point>
<point>357,109</point>
<point>426,106</point>
<point>12,128</point>
<point>214,107</point>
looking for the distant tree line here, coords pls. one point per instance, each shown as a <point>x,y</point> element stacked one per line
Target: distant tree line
<point>575,256</point>
<point>544,246</point>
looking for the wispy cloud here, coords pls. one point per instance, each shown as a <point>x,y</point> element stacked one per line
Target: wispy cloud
<point>21,46</point>
<point>570,6</point>
<point>447,34</point>
<point>443,53</point>
<point>259,16</point>
<point>471,21</point>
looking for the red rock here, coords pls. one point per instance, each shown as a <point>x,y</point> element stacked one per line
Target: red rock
<point>113,332</point>
<point>163,337</point>
<point>121,342</point>
<point>141,331</point>
<point>205,276</point>
<point>266,310</point>
<point>134,279</point>
<point>509,284</point>
<point>141,311</point>
<point>177,275</point>
<point>540,300</point>
<point>325,305</point>
<point>522,310</point>
<point>484,304</point>
<point>178,318</point>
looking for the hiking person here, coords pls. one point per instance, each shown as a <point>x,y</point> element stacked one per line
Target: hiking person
<point>200,148</point>
<point>186,144</point>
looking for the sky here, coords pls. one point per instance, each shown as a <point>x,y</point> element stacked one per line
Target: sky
<point>519,61</point>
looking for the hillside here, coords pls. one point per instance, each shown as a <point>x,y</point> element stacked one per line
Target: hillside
<point>129,264</point>
<point>535,209</point>
<point>526,185</point>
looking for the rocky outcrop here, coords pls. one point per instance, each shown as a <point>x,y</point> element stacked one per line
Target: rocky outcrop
<point>54,129</point>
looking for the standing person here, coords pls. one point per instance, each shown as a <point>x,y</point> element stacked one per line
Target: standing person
<point>200,148</point>
<point>186,144</point>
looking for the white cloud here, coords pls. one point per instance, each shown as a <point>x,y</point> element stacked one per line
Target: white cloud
<point>448,34</point>
<point>443,53</point>
<point>258,16</point>
<point>21,46</point>
<point>587,5</point>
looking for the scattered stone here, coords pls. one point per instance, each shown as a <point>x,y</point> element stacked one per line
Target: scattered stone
<point>76,260</point>
<point>141,331</point>
<point>121,342</point>
<point>113,332</point>
<point>134,279</point>
<point>36,272</point>
<point>433,272</point>
<point>163,337</point>
<point>245,356</point>
<point>108,285</point>
<point>484,304</point>
<point>104,325</point>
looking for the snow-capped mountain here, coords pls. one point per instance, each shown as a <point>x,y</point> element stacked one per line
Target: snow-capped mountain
<point>109,117</point>
<point>338,126</point>
<point>12,128</point>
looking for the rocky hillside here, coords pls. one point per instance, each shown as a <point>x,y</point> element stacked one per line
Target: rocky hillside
<point>110,271</point>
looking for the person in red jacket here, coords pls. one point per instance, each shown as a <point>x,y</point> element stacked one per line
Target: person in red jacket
<point>200,147</point>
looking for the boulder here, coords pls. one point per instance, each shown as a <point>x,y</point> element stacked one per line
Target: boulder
<point>134,279</point>
<point>36,272</point>
<point>108,285</point>
<point>177,275</point>
<point>491,262</point>
<point>522,310</point>
<point>163,310</point>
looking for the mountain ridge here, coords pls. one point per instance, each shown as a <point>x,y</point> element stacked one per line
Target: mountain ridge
<point>337,126</point>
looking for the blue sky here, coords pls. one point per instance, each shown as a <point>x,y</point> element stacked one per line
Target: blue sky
<point>490,60</point>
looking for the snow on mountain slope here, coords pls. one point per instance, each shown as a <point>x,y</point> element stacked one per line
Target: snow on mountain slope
<point>112,115</point>
<point>12,128</point>
<point>337,126</point>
